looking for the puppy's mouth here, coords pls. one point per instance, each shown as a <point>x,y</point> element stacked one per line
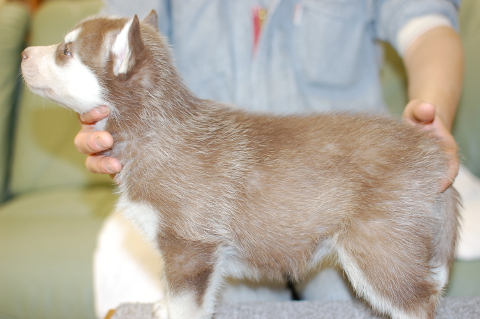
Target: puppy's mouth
<point>48,93</point>
<point>41,88</point>
<point>33,78</point>
<point>37,87</point>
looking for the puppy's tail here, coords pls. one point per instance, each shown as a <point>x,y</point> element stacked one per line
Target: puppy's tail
<point>447,208</point>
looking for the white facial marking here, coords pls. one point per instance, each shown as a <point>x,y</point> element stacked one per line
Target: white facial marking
<point>71,84</point>
<point>72,36</point>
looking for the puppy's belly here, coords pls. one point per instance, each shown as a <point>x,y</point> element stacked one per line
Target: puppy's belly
<point>237,268</point>
<point>261,259</point>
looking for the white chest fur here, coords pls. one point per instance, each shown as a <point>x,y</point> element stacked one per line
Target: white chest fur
<point>142,215</point>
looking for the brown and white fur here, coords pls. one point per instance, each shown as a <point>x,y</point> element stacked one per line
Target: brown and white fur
<point>223,192</point>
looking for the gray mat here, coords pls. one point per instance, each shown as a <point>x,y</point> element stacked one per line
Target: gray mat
<point>451,308</point>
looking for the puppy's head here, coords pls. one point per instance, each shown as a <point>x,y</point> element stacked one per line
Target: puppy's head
<point>99,56</point>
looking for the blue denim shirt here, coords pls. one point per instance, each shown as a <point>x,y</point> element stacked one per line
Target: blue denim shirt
<point>313,55</point>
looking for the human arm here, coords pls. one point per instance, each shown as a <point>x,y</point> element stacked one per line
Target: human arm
<point>434,65</point>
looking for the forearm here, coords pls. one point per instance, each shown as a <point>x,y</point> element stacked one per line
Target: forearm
<point>434,64</point>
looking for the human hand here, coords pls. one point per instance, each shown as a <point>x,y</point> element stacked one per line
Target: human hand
<point>89,141</point>
<point>424,114</point>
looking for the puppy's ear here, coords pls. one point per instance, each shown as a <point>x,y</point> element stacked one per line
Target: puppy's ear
<point>127,46</point>
<point>151,19</point>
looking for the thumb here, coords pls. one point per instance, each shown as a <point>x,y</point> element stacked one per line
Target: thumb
<point>419,112</point>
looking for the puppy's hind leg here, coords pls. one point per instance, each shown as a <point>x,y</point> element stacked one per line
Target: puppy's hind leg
<point>192,277</point>
<point>387,263</point>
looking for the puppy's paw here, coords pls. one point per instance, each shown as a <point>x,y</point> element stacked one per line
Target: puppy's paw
<point>160,310</point>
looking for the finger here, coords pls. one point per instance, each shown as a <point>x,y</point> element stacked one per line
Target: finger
<point>424,113</point>
<point>418,112</point>
<point>103,164</point>
<point>95,115</point>
<point>91,142</point>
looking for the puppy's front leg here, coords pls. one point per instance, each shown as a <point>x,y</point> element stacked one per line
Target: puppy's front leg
<point>192,279</point>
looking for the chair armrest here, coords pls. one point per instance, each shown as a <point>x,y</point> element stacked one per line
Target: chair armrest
<point>14,20</point>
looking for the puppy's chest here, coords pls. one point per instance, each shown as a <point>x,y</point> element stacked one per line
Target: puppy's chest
<point>143,216</point>
<point>152,173</point>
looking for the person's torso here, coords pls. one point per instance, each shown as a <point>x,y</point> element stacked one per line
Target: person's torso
<point>311,55</point>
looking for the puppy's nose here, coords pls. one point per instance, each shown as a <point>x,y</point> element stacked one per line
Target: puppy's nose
<point>25,54</point>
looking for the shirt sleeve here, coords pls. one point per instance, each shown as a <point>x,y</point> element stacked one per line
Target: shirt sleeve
<point>416,27</point>
<point>400,22</point>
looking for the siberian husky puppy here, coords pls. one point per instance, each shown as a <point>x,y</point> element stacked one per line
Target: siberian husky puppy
<point>224,192</point>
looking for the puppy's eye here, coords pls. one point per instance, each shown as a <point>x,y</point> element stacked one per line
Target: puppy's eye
<point>66,51</point>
